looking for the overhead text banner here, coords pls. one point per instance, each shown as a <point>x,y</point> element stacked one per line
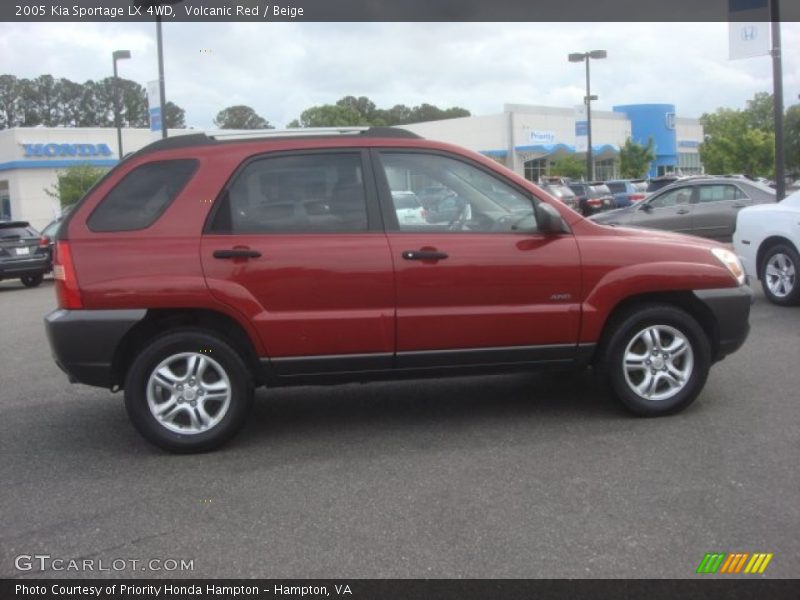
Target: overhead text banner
<point>374,10</point>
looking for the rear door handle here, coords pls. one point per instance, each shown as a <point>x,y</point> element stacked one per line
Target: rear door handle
<point>237,253</point>
<point>682,211</point>
<point>424,255</point>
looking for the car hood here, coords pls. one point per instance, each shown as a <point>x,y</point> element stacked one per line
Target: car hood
<point>660,236</point>
<point>610,215</point>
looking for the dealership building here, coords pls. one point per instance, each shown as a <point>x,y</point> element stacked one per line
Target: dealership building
<point>527,139</point>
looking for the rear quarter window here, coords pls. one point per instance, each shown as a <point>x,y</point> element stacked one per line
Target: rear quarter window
<point>14,233</point>
<point>142,196</point>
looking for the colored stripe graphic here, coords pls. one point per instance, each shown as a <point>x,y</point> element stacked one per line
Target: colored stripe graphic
<point>710,563</point>
<point>758,563</point>
<point>723,563</point>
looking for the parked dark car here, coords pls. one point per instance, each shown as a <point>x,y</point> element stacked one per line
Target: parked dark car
<point>656,183</point>
<point>592,197</point>
<point>49,236</point>
<point>190,305</point>
<point>627,191</point>
<point>563,193</point>
<point>706,207</point>
<point>24,254</point>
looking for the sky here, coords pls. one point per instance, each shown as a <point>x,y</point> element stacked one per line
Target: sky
<point>280,69</point>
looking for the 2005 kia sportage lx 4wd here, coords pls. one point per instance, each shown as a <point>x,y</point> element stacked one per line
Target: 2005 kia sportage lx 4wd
<point>201,267</point>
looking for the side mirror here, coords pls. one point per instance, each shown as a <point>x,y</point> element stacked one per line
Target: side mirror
<point>646,207</point>
<point>548,219</point>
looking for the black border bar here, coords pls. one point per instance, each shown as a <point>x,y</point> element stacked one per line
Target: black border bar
<point>264,11</point>
<point>729,588</point>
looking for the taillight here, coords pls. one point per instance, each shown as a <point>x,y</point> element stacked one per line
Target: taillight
<point>66,279</point>
<point>425,213</point>
<point>44,242</point>
<point>636,197</point>
<point>594,202</point>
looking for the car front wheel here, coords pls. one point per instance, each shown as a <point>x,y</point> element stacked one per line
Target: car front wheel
<point>188,391</point>
<point>657,359</point>
<point>779,275</point>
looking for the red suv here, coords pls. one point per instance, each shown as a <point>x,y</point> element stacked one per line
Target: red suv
<point>202,267</point>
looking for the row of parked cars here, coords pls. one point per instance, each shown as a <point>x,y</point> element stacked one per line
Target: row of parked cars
<point>728,208</point>
<point>25,253</point>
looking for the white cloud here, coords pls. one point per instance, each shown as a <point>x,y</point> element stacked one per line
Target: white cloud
<point>282,68</point>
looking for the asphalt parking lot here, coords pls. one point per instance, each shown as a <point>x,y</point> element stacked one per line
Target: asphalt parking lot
<point>525,475</point>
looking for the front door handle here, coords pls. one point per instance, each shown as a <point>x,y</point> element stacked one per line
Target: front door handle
<point>237,253</point>
<point>682,211</point>
<point>424,255</point>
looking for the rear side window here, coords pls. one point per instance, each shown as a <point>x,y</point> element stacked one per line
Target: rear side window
<point>598,190</point>
<point>16,233</point>
<point>142,196</point>
<point>295,194</point>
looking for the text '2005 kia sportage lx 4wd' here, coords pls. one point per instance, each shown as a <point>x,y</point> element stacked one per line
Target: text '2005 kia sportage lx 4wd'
<point>201,267</point>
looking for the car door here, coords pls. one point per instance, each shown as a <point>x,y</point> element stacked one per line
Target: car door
<point>715,210</point>
<point>670,210</point>
<point>485,287</point>
<point>295,243</point>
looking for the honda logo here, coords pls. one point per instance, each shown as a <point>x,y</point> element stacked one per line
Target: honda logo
<point>749,33</point>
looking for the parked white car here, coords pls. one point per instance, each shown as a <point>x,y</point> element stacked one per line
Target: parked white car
<point>767,239</point>
<point>409,209</point>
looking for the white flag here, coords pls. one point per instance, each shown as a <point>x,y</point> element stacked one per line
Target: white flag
<point>748,39</point>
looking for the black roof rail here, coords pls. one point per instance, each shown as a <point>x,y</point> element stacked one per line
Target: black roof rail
<point>203,139</point>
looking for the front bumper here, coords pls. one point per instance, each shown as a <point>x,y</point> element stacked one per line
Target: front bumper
<point>84,342</point>
<point>730,308</point>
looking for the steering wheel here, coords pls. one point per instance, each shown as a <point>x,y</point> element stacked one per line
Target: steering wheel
<point>457,224</point>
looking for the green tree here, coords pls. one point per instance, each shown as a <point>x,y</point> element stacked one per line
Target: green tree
<point>175,116</point>
<point>74,182</point>
<point>361,111</point>
<point>330,115</point>
<point>732,145</point>
<point>635,159</point>
<point>570,166</point>
<point>52,102</point>
<point>9,101</point>
<point>760,112</point>
<point>240,117</point>
<point>791,128</point>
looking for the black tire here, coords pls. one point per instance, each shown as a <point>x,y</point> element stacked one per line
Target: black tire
<point>626,334</point>
<point>32,280</point>
<point>790,285</point>
<point>173,345</point>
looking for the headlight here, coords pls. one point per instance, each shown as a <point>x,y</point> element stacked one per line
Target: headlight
<point>731,262</point>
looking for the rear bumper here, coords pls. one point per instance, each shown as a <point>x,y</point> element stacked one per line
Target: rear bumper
<point>731,310</point>
<point>84,342</point>
<point>17,268</point>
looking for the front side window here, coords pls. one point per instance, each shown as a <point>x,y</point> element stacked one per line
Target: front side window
<point>142,196</point>
<point>453,196</point>
<point>295,194</point>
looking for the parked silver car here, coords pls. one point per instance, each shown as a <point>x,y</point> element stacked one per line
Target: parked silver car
<point>705,207</point>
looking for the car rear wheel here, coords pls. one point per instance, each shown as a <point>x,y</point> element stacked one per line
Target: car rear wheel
<point>656,359</point>
<point>32,280</point>
<point>188,391</point>
<point>779,275</point>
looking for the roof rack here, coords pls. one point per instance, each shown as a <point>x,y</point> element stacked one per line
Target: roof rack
<point>202,139</point>
<point>315,132</point>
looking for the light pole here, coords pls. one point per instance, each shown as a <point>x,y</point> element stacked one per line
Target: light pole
<point>155,7</point>
<point>118,55</point>
<point>581,57</point>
